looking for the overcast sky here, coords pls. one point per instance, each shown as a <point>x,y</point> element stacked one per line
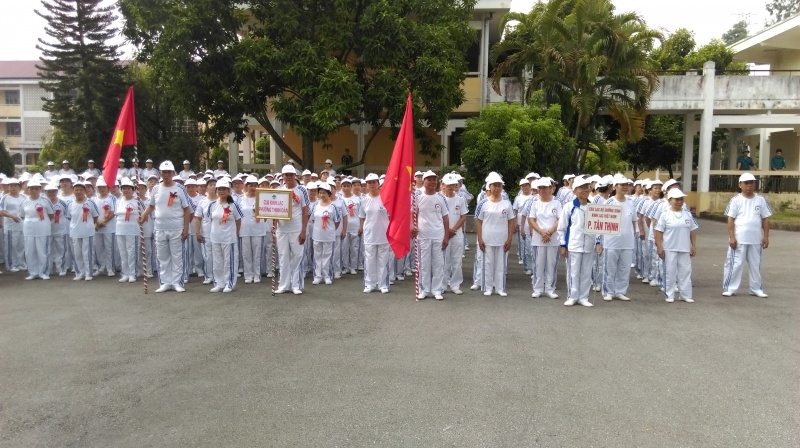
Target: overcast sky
<point>707,18</point>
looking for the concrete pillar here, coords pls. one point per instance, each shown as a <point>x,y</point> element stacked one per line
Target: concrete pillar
<point>247,148</point>
<point>732,152</point>
<point>706,128</point>
<point>275,151</point>
<point>485,59</point>
<point>763,150</point>
<point>233,155</point>
<point>689,131</point>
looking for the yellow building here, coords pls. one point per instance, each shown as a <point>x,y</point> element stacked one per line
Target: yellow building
<point>486,22</point>
<point>23,123</point>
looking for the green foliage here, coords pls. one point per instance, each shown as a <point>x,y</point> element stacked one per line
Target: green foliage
<point>737,32</point>
<point>661,146</point>
<point>673,50</point>
<point>716,51</point>
<point>60,146</point>
<point>317,66</point>
<point>586,58</point>
<point>606,158</point>
<point>6,162</point>
<point>262,150</point>
<point>219,152</point>
<point>81,71</point>
<point>781,10</point>
<point>512,140</point>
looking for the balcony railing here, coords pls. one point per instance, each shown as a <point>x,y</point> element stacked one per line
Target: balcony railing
<point>10,111</point>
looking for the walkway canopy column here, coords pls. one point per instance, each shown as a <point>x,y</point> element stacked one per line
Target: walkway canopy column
<point>706,129</point>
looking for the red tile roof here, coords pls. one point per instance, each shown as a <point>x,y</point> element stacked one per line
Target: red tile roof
<point>19,70</point>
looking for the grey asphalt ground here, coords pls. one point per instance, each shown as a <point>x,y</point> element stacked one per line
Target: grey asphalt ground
<point>101,365</point>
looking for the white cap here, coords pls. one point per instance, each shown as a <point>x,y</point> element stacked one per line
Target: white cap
<point>531,174</point>
<point>288,169</point>
<point>328,161</point>
<point>121,160</point>
<point>541,183</point>
<point>675,193</point>
<point>50,163</point>
<point>428,174</point>
<point>347,180</point>
<point>65,161</point>
<point>372,176</point>
<point>186,162</point>
<point>88,175</point>
<point>418,173</point>
<point>669,183</point>
<point>34,183</point>
<point>251,179</point>
<point>637,182</point>
<point>580,181</point>
<point>306,172</point>
<point>450,179</point>
<point>746,177</point>
<point>524,182</point>
<point>152,176</point>
<point>125,182</point>
<point>50,186</point>
<point>494,178</point>
<point>190,181</point>
<point>166,166</point>
<point>568,176</point>
<point>223,183</point>
<point>26,176</point>
<point>220,161</point>
<point>101,183</point>
<point>148,161</point>
<point>324,186</point>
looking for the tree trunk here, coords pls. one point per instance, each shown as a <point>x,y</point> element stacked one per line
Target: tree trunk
<point>669,168</point>
<point>308,153</point>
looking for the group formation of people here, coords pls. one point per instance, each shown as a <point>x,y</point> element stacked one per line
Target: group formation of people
<point>183,223</point>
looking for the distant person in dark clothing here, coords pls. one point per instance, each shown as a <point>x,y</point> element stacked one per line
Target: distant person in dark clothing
<point>776,163</point>
<point>745,162</point>
<point>347,159</point>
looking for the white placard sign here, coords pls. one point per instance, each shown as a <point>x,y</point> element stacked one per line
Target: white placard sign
<point>602,219</point>
<point>273,204</point>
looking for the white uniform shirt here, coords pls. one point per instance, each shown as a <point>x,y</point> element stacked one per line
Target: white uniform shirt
<point>60,223</point>
<point>107,207</point>
<point>351,206</point>
<point>149,223</point>
<point>494,217</point>
<point>625,238</point>
<point>456,208</point>
<point>169,203</point>
<point>219,173</point>
<point>194,201</point>
<point>676,227</point>
<point>430,210</point>
<point>570,230</point>
<point>12,205</point>
<point>251,226</point>
<point>35,219</point>
<point>186,174</point>
<point>200,213</point>
<point>324,219</point>
<point>546,215</point>
<point>641,209</point>
<point>145,173</point>
<point>339,203</point>
<point>748,215</point>
<point>223,222</point>
<point>81,218</point>
<point>376,220</point>
<point>519,202</point>
<point>50,174</point>
<point>127,215</point>
<point>299,200</point>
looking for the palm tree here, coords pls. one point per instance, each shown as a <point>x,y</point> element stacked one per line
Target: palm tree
<point>586,58</point>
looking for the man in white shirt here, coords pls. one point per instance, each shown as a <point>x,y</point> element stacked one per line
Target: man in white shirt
<point>291,235</point>
<point>457,215</point>
<point>432,232</point>
<point>121,170</point>
<point>51,171</point>
<point>148,170</point>
<point>65,169</point>
<point>187,170</point>
<point>748,234</point>
<point>329,168</point>
<point>220,171</point>
<point>172,209</point>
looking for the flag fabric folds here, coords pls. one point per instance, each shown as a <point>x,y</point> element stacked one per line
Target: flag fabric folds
<point>398,186</point>
<point>124,135</point>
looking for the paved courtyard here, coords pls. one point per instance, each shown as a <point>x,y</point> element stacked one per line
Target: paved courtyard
<point>100,364</point>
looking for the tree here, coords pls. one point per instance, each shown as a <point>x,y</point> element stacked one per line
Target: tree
<point>673,50</point>
<point>81,71</point>
<point>661,146</point>
<point>737,32</point>
<point>781,10</point>
<point>512,140</point>
<point>587,59</point>
<point>6,162</point>
<point>317,66</point>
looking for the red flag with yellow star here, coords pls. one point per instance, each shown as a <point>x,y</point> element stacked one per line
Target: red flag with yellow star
<point>398,186</point>
<point>124,135</point>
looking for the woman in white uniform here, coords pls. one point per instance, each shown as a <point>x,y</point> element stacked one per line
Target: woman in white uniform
<point>147,228</point>
<point>59,232</point>
<point>82,214</point>
<point>675,244</point>
<point>127,217</point>
<point>226,217</point>
<point>325,220</point>
<point>10,206</point>
<point>494,225</point>
<point>456,217</point>
<point>577,247</point>
<point>351,246</point>
<point>543,220</point>
<point>374,224</point>
<point>618,250</point>
<point>252,233</point>
<point>36,213</point>
<point>202,225</point>
<point>105,244</point>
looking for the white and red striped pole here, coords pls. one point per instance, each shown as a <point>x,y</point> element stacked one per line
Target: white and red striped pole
<point>274,256</point>
<point>416,245</point>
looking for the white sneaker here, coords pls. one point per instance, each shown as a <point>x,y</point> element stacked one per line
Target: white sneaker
<point>316,281</point>
<point>759,293</point>
<point>367,290</point>
<point>88,279</point>
<point>607,298</point>
<point>645,280</point>
<point>297,292</point>
<point>586,303</point>
<point>552,295</point>
<point>207,281</point>
<point>112,274</point>
<point>353,272</point>
<point>131,279</point>
<point>391,282</point>
<point>727,293</point>
<point>536,295</point>
<point>408,273</point>
<point>248,280</point>
<point>13,270</point>
<point>638,277</point>
<point>570,302</point>
<point>687,300</point>
<point>519,261</point>
<point>670,299</point>
<point>95,273</point>
<point>45,277</point>
<point>78,277</point>
<point>421,296</point>
<point>227,290</point>
<point>178,288</point>
<point>329,281</point>
<point>528,273</point>
<point>595,288</point>
<point>30,277</point>
<point>384,290</point>
<point>623,297</point>
<point>653,282</point>
<point>61,274</point>
<point>474,287</point>
<point>487,293</point>
<point>457,292</point>
<point>400,278</point>
<point>215,289</point>
<point>164,288</point>
<point>337,276</point>
<point>438,296</point>
<point>503,294</point>
<point>279,291</point>
<point>269,275</point>
<point>123,279</point>
<point>257,280</point>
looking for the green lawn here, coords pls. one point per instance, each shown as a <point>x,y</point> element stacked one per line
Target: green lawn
<point>786,216</point>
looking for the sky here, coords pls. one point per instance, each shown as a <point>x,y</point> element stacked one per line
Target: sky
<point>706,18</point>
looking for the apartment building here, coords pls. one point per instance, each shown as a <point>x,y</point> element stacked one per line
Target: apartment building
<point>23,123</point>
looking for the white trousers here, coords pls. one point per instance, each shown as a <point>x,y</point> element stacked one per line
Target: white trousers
<point>37,255</point>
<point>195,255</point>
<point>598,270</point>
<point>83,255</point>
<point>59,254</point>
<point>495,267</point>
<point>454,275</point>
<point>477,267</point>
<point>15,249</point>
<point>579,275</point>
<point>336,257</point>
<point>351,248</point>
<point>639,255</point>
<point>654,268</point>
<point>104,247</point>
<point>734,261</point>
<point>430,265</point>
<point>308,254</point>
<point>267,254</point>
<point>410,258</point>
<point>208,260</point>
<point>323,263</point>
<point>617,271</point>
<point>361,252</point>
<point>545,261</point>
<point>150,256</point>
<point>170,255</point>
<point>678,266</point>
<point>290,253</point>
<point>527,255</point>
<point>252,255</point>
<point>130,251</point>
<point>376,263</point>
<point>226,264</point>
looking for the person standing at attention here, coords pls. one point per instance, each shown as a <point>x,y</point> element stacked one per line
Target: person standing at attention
<point>494,224</point>
<point>432,233</point>
<point>291,235</point>
<point>748,235</point>
<point>576,246</point>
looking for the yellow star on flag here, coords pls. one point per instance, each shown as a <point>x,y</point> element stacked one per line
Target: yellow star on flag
<point>119,138</point>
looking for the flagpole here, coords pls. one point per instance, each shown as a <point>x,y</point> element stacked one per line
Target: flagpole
<point>416,245</point>
<point>142,245</point>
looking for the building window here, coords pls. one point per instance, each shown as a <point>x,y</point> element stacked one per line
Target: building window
<point>14,129</point>
<point>17,157</point>
<point>474,55</point>
<point>12,97</point>
<point>31,158</point>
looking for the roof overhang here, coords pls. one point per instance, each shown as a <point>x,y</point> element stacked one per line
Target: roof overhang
<point>765,46</point>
